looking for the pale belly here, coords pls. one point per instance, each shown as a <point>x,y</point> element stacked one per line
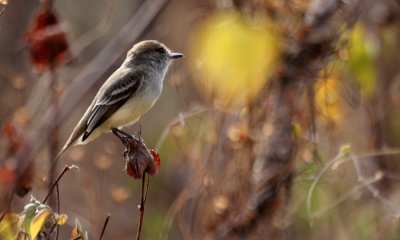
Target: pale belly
<point>130,113</point>
<point>127,115</point>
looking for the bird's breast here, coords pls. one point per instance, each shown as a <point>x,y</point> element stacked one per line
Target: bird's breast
<point>135,106</point>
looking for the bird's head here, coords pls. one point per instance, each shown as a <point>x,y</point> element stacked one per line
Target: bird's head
<point>152,53</point>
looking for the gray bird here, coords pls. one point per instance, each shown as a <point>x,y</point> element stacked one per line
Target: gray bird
<point>127,94</point>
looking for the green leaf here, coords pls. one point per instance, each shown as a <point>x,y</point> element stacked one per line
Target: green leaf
<point>30,211</point>
<point>28,214</point>
<point>9,227</point>
<point>38,221</point>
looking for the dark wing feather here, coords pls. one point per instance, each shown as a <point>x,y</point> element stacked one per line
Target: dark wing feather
<point>112,99</point>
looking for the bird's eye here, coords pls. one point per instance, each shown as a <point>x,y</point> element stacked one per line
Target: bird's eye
<point>161,50</point>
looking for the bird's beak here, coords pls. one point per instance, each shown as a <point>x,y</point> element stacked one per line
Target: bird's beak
<point>174,55</point>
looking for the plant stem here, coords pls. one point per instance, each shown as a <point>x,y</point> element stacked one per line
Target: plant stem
<point>104,226</point>
<point>66,168</point>
<point>142,203</point>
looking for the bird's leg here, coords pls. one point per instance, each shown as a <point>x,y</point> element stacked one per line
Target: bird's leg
<point>125,138</point>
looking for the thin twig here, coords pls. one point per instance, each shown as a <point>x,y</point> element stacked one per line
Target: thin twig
<point>3,8</point>
<point>147,188</point>
<point>58,208</point>
<point>345,196</point>
<point>8,205</point>
<point>66,168</point>
<point>330,10</point>
<point>54,140</point>
<point>141,207</point>
<point>360,178</point>
<point>91,36</point>
<point>2,216</point>
<point>374,191</point>
<point>357,167</point>
<point>178,119</point>
<point>385,152</point>
<point>52,228</point>
<point>104,226</point>
<point>314,184</point>
<point>366,156</point>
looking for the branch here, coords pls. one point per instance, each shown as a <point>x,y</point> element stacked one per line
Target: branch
<point>345,196</point>
<point>314,184</point>
<point>89,37</point>
<point>104,226</point>
<point>362,182</point>
<point>373,190</point>
<point>142,204</point>
<point>321,12</point>
<point>2,9</point>
<point>178,120</point>
<point>139,161</point>
<point>66,168</point>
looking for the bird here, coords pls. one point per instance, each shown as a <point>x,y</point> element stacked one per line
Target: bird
<point>129,92</point>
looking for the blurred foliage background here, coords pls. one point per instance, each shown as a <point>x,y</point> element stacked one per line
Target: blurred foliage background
<point>282,122</point>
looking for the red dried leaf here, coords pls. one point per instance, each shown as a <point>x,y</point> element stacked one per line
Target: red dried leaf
<point>131,171</point>
<point>156,158</point>
<point>139,159</point>
<point>47,41</point>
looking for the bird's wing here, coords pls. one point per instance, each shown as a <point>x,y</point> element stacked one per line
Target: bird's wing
<point>112,97</point>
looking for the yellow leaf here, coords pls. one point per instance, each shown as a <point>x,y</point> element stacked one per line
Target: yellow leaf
<point>297,130</point>
<point>232,56</point>
<point>38,222</point>
<point>62,219</point>
<point>362,56</point>
<point>345,149</point>
<point>327,99</point>
<point>9,227</point>
<point>77,231</point>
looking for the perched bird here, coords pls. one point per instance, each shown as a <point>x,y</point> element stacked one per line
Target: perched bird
<point>127,94</point>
